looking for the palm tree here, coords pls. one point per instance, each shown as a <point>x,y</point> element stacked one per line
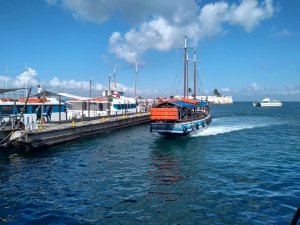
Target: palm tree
<point>217,93</point>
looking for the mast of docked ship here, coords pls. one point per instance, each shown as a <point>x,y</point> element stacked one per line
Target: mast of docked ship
<point>195,74</point>
<point>185,69</point>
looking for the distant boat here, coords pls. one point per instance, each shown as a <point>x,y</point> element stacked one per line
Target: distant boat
<point>267,102</point>
<point>181,116</point>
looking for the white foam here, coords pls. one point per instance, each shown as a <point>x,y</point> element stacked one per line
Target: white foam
<point>231,124</point>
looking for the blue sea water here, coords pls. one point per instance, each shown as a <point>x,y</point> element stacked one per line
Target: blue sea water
<point>244,169</point>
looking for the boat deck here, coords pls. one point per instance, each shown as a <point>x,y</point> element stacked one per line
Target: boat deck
<point>48,134</point>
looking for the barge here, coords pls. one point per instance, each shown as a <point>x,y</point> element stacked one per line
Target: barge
<point>54,133</point>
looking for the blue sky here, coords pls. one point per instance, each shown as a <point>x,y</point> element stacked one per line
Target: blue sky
<point>245,48</point>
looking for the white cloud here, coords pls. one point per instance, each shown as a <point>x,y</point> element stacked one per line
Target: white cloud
<point>225,89</point>
<point>254,87</point>
<point>157,34</point>
<point>28,77</point>
<point>249,13</point>
<point>292,90</point>
<point>163,34</point>
<point>283,33</point>
<point>133,11</point>
<point>52,2</point>
<point>72,85</point>
<point>161,24</point>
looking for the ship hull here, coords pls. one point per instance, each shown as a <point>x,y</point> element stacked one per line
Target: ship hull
<point>181,129</point>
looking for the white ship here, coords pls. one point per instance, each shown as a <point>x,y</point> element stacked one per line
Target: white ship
<point>267,102</point>
<point>113,102</point>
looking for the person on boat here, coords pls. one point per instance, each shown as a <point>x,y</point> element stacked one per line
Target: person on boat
<point>38,113</point>
<point>48,113</point>
<point>40,89</point>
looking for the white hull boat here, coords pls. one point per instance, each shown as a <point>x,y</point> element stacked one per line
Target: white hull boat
<point>267,102</point>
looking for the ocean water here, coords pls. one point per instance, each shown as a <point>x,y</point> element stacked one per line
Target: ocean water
<point>244,169</point>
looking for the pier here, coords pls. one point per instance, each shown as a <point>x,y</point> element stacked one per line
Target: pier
<point>49,134</point>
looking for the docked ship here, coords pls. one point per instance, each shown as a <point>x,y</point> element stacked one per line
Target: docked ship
<point>267,102</point>
<point>181,116</point>
<point>18,111</point>
<point>111,103</point>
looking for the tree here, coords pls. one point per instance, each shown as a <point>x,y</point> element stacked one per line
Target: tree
<point>217,93</point>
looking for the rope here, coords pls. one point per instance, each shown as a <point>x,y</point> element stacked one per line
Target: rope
<point>296,217</point>
<point>6,137</point>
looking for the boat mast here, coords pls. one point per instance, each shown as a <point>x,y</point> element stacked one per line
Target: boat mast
<point>195,74</point>
<point>135,80</point>
<point>115,77</point>
<point>90,86</point>
<point>26,69</point>
<point>185,68</point>
<point>6,78</point>
<point>109,82</point>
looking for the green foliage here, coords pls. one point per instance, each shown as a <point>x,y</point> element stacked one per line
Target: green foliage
<point>110,99</point>
<point>217,93</point>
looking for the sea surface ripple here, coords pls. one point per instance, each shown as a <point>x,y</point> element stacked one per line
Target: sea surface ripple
<point>244,169</point>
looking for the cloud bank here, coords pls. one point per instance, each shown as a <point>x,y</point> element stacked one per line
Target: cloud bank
<point>161,24</point>
<point>30,78</point>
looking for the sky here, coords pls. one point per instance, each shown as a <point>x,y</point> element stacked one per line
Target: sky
<point>248,49</point>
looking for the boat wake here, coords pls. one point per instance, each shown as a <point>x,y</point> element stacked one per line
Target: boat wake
<point>230,124</point>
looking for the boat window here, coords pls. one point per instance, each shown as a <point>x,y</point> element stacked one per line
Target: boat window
<point>55,108</point>
<point>100,107</point>
<point>20,109</point>
<point>69,106</point>
<point>33,108</point>
<point>29,109</point>
<point>6,109</point>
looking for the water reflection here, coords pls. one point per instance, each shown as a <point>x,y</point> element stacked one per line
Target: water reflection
<point>165,170</point>
<point>171,176</point>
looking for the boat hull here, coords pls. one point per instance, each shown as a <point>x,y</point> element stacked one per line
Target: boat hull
<point>273,104</point>
<point>267,102</point>
<point>181,129</point>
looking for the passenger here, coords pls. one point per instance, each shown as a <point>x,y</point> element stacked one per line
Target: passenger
<point>39,89</point>
<point>48,113</point>
<point>38,114</point>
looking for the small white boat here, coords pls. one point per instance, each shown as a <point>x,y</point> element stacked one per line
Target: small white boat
<point>267,102</point>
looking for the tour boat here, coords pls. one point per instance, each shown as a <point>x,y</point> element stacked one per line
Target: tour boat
<point>181,116</point>
<point>267,102</point>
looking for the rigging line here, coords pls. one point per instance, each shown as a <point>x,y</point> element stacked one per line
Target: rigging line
<point>2,141</point>
<point>199,83</point>
<point>15,67</point>
<point>178,90</point>
<point>178,86</point>
<point>173,89</point>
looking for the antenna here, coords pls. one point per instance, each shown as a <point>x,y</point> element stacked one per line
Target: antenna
<point>6,76</point>
<point>185,68</point>
<point>135,79</point>
<point>109,76</point>
<point>195,73</point>
<point>115,85</point>
<point>26,69</point>
<point>90,86</point>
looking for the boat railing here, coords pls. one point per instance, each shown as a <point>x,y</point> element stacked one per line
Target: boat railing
<point>10,122</point>
<point>193,117</point>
